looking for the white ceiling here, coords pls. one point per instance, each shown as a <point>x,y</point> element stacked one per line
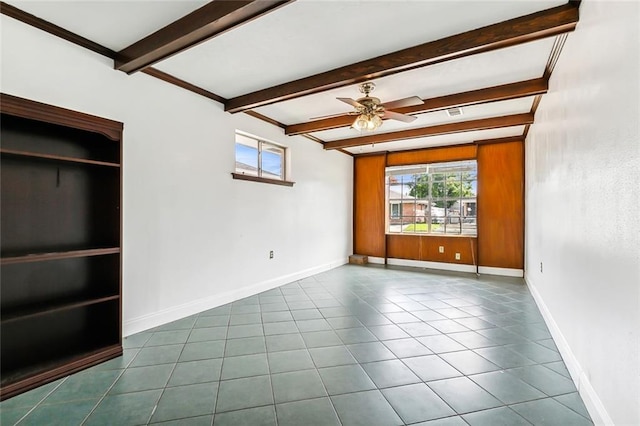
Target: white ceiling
<point>307,37</point>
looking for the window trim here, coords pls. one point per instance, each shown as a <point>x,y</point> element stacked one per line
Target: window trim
<point>425,168</point>
<point>258,177</point>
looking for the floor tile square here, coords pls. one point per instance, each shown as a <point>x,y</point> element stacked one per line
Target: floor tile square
<point>428,315</point>
<point>447,326</point>
<point>66,413</point>
<point>559,367</point>
<point>244,366</point>
<point>30,398</point>
<point>387,332</point>
<point>245,346</point>
<point>192,372</point>
<point>245,309</point>
<point>84,385</point>
<point>441,344</point>
<point>219,311</point>
<point>181,324</point>
<point>463,395</point>
<point>160,338</point>
<point>473,323</point>
<point>318,339</point>
<point>212,321</point>
<point>431,367</point>
<point>335,312</point>
<point>369,352</point>
<point>207,333</point>
<point>472,340</point>
<point>190,421</point>
<point>338,323</point>
<point>332,356</point>
<point>418,329</point>
<point>280,362</point>
<point>306,314</point>
<point>202,350</point>
<point>310,412</point>
<point>274,307</point>
<point>549,412</point>
<point>501,416</point>
<point>390,373</point>
<point>417,403</point>
<point>468,362</point>
<point>535,352</point>
<point>127,409</point>
<point>301,304</point>
<point>365,409</point>
<point>243,319</point>
<point>344,379</point>
<point>259,416</point>
<point>401,317</point>
<point>137,340</point>
<point>506,387</point>
<point>356,335</point>
<point>268,317</point>
<point>186,401</point>
<point>374,319</point>
<point>155,355</point>
<point>404,348</point>
<point>503,357</point>
<point>285,327</point>
<point>244,393</point>
<point>297,385</point>
<point>313,325</point>
<point>143,378</point>
<point>240,331</point>
<point>545,380</point>
<point>285,342</point>
<point>573,401</point>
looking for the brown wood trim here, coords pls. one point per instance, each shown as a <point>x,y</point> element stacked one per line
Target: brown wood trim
<point>240,176</point>
<point>432,155</point>
<point>183,84</point>
<point>9,260</point>
<point>16,153</point>
<point>441,129</point>
<point>558,44</point>
<point>500,140</point>
<point>210,20</point>
<point>264,118</point>
<point>474,97</point>
<point>34,21</point>
<point>63,307</point>
<point>26,108</point>
<point>66,368</point>
<point>546,23</point>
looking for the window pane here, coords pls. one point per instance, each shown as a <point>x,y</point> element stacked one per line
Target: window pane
<point>272,161</point>
<point>246,156</point>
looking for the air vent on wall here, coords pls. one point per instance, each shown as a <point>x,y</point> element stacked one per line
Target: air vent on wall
<point>454,112</point>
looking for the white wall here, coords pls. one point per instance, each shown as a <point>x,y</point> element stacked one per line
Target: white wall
<point>193,237</point>
<point>583,209</point>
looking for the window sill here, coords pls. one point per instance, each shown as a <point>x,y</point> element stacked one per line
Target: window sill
<point>240,176</point>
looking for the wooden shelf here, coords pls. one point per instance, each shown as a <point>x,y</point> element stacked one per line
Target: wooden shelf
<point>50,157</point>
<point>39,257</point>
<point>60,251</point>
<point>48,308</point>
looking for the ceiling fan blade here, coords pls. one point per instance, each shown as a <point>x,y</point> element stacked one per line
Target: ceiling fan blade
<point>351,102</point>
<point>400,117</point>
<point>406,102</point>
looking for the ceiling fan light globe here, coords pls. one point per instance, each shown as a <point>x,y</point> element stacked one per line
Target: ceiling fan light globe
<point>361,123</point>
<point>374,122</point>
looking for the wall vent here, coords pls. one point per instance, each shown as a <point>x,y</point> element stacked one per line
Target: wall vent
<point>454,112</point>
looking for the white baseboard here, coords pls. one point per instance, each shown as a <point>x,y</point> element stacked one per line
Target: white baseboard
<point>443,266</point>
<point>504,272</point>
<point>432,265</point>
<point>145,322</point>
<point>592,401</point>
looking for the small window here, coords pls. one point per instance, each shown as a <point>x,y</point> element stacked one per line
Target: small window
<point>256,157</point>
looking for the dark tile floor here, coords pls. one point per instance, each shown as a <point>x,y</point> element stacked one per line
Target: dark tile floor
<point>353,346</point>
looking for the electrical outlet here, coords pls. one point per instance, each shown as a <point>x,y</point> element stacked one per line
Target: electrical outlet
<point>271,254</point>
<point>441,249</point>
<point>457,256</point>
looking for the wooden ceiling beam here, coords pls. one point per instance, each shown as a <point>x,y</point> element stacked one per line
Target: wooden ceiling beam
<point>441,129</point>
<point>539,25</point>
<point>210,20</point>
<point>503,92</point>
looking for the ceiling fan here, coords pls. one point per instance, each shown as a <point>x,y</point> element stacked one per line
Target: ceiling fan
<point>370,110</point>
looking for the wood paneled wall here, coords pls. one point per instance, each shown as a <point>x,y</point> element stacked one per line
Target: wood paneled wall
<point>369,205</point>
<point>501,205</point>
<point>500,241</point>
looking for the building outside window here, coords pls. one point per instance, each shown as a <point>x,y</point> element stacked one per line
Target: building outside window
<point>437,198</point>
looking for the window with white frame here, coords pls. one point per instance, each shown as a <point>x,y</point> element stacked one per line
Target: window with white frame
<point>437,198</point>
<point>257,157</point>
